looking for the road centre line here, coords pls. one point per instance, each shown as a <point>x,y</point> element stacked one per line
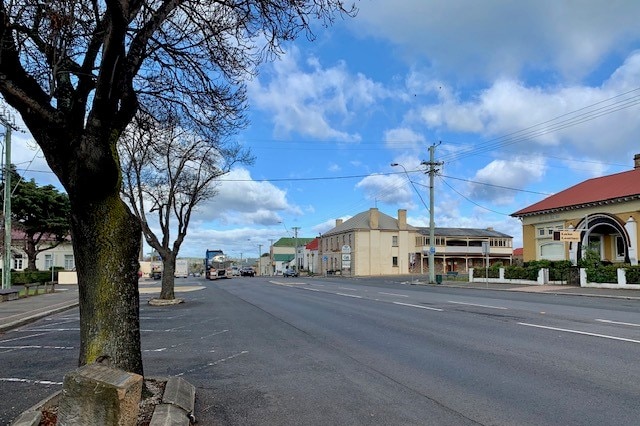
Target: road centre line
<point>310,289</point>
<point>566,330</point>
<point>348,288</point>
<point>393,294</point>
<point>476,304</point>
<point>349,295</point>
<point>417,306</point>
<point>618,323</point>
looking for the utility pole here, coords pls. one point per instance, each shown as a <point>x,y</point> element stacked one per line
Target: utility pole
<point>432,164</point>
<point>9,124</point>
<point>271,267</point>
<point>295,241</point>
<point>259,259</point>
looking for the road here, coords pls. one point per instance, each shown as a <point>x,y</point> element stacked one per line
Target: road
<point>318,351</point>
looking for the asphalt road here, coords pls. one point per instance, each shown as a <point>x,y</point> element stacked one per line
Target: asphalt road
<point>315,351</point>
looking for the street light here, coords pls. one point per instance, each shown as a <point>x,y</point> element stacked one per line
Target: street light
<point>423,203</point>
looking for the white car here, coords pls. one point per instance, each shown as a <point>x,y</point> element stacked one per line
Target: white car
<point>235,271</point>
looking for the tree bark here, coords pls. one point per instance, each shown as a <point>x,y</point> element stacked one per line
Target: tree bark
<point>168,279</point>
<point>108,281</point>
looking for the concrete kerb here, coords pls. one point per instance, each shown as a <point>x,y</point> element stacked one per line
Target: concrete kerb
<point>36,316</point>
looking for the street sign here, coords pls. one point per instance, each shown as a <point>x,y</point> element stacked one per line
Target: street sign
<point>432,250</point>
<point>346,249</point>
<point>485,247</point>
<point>325,258</point>
<point>346,257</point>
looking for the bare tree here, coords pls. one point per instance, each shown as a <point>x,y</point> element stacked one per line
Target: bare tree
<point>78,71</point>
<point>168,171</point>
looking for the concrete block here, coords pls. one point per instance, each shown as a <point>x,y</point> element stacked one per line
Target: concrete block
<point>169,415</point>
<point>180,393</point>
<point>99,395</point>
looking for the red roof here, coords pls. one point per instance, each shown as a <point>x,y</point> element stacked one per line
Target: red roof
<point>518,251</point>
<point>611,187</point>
<point>313,245</point>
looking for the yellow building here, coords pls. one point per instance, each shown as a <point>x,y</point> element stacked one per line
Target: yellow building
<point>372,243</point>
<point>600,214</point>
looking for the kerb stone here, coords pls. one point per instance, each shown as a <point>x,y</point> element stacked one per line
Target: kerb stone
<point>99,395</point>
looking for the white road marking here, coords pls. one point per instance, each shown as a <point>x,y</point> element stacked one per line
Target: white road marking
<point>228,358</point>
<point>310,289</point>
<point>36,347</point>
<point>476,304</point>
<point>417,306</point>
<point>393,294</point>
<point>37,382</point>
<point>618,323</point>
<point>23,337</point>
<point>348,288</point>
<point>349,295</point>
<point>566,330</point>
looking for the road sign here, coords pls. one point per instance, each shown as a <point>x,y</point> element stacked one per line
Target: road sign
<point>325,258</point>
<point>346,257</point>
<point>432,250</point>
<point>346,249</point>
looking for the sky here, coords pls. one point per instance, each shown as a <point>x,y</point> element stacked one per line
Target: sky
<point>520,100</point>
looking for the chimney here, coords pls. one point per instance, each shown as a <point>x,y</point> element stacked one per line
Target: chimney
<point>402,219</point>
<point>374,218</point>
<point>490,228</point>
<point>338,222</point>
<point>636,161</point>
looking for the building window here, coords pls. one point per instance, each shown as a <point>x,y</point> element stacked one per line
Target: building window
<point>48,261</point>
<point>69,262</point>
<point>394,260</point>
<point>394,241</point>
<point>620,248</point>
<point>17,262</point>
<point>552,251</point>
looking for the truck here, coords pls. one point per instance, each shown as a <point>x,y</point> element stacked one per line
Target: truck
<point>182,268</point>
<point>217,265</point>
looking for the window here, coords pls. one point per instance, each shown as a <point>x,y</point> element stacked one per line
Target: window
<point>48,261</point>
<point>620,248</point>
<point>17,262</point>
<point>394,241</point>
<point>552,251</point>
<point>394,260</point>
<point>69,263</point>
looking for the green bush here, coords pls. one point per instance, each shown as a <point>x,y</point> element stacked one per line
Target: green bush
<point>25,277</point>
<point>633,274</point>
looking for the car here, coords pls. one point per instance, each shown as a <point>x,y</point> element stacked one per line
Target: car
<point>235,271</point>
<point>290,273</point>
<point>247,271</point>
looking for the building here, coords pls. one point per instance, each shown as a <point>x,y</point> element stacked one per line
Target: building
<point>373,243</point>
<point>283,254</point>
<point>59,257</point>
<point>600,214</point>
<point>458,249</point>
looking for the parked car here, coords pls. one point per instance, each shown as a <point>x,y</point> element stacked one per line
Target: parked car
<point>235,271</point>
<point>247,271</point>
<point>290,273</point>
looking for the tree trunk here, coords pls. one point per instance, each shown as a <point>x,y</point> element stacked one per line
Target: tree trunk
<point>106,241</point>
<point>168,279</point>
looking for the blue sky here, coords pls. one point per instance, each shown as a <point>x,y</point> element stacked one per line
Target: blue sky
<point>523,99</point>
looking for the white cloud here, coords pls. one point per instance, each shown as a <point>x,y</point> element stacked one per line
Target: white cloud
<point>390,189</point>
<point>499,175</point>
<point>309,102</point>
<point>474,39</point>
<point>241,200</point>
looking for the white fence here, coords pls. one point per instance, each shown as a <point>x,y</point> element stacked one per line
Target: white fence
<point>543,279</point>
